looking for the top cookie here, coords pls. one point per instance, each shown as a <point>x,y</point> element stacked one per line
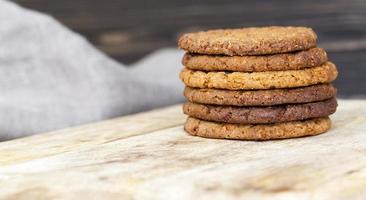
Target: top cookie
<point>249,41</point>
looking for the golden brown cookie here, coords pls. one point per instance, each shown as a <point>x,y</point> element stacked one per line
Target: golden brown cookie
<point>277,62</point>
<point>249,41</point>
<point>284,130</point>
<point>260,97</point>
<point>261,115</point>
<point>325,73</point>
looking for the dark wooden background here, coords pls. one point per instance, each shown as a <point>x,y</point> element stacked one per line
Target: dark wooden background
<point>128,30</point>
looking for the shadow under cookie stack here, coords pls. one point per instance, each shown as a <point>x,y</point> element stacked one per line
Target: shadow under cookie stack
<point>257,83</point>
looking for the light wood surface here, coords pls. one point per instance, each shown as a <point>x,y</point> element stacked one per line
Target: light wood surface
<point>149,156</point>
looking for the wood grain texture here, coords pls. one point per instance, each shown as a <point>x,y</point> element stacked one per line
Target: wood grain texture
<point>128,30</point>
<point>149,156</point>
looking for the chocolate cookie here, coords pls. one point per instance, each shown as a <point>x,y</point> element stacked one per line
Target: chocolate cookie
<point>277,62</point>
<point>260,115</point>
<point>260,97</point>
<point>284,130</point>
<point>249,41</point>
<point>325,73</point>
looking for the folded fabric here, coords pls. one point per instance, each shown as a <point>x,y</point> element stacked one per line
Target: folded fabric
<point>51,77</point>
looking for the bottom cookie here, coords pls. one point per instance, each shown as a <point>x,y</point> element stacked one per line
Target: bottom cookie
<point>284,130</point>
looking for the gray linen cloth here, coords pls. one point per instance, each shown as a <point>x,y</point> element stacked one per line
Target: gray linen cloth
<point>51,77</point>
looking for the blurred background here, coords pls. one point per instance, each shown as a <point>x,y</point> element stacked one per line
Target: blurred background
<point>129,30</point>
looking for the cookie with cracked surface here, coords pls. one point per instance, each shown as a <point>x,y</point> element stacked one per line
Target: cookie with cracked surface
<point>260,115</point>
<point>260,97</point>
<point>197,127</point>
<point>277,62</point>
<point>249,41</point>
<point>325,73</point>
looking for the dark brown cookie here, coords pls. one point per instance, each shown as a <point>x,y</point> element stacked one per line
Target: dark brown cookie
<point>249,41</point>
<point>260,115</point>
<point>283,130</point>
<point>277,62</point>
<point>260,97</point>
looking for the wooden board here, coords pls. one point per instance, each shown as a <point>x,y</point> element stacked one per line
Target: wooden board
<point>149,156</point>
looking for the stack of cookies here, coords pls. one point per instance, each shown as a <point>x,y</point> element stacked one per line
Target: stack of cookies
<point>257,83</point>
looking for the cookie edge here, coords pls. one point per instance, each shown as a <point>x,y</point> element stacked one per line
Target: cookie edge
<point>214,130</point>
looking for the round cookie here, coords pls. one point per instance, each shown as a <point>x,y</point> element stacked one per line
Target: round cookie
<point>260,115</point>
<point>325,73</point>
<point>260,97</point>
<point>277,62</point>
<point>292,129</point>
<point>249,41</point>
